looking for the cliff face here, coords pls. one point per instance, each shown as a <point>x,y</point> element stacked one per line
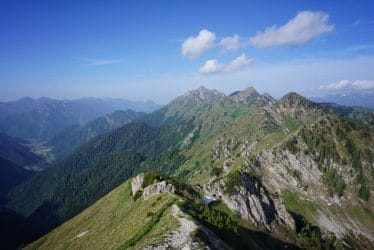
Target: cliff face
<point>252,202</point>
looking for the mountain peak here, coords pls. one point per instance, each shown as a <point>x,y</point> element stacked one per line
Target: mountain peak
<point>294,100</point>
<point>203,94</point>
<point>246,95</point>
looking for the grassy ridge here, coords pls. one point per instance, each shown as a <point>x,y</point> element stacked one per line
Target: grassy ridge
<point>111,221</point>
<point>144,231</point>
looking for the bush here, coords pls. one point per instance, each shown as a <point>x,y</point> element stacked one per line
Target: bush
<point>137,195</point>
<point>149,178</point>
<point>150,214</point>
<point>364,192</point>
<point>233,180</point>
<point>218,220</point>
<point>291,145</point>
<point>334,182</point>
<point>216,171</point>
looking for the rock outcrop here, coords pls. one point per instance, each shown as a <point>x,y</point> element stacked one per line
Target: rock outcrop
<point>150,190</point>
<point>251,202</point>
<point>137,183</point>
<point>158,188</point>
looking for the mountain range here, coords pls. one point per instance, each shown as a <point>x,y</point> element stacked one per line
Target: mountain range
<point>362,99</point>
<point>75,135</point>
<point>44,118</point>
<point>209,170</point>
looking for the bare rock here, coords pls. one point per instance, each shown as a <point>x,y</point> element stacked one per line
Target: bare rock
<point>158,188</point>
<point>183,236</point>
<point>136,183</point>
<point>252,203</point>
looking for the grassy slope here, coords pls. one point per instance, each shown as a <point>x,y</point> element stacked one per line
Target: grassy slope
<point>111,222</point>
<point>226,119</point>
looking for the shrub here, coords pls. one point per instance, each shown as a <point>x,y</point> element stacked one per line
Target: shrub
<point>364,192</point>
<point>215,171</point>
<point>291,145</point>
<point>334,182</point>
<point>214,218</point>
<point>137,195</point>
<point>149,178</point>
<point>233,180</point>
<point>150,214</point>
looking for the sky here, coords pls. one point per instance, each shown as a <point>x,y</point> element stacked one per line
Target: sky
<point>159,49</point>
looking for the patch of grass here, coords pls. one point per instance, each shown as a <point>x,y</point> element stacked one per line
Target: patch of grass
<point>146,228</point>
<point>295,205</point>
<point>291,123</point>
<point>239,112</point>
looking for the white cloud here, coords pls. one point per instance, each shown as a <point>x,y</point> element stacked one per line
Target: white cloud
<point>230,43</point>
<point>349,85</point>
<point>210,67</point>
<point>195,46</point>
<point>305,26</point>
<point>238,63</point>
<point>213,66</point>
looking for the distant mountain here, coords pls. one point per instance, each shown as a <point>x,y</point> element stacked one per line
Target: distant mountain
<point>44,117</point>
<point>363,99</point>
<point>75,135</point>
<point>366,115</point>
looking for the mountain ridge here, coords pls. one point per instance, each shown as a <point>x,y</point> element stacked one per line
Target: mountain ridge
<point>44,117</point>
<point>234,148</point>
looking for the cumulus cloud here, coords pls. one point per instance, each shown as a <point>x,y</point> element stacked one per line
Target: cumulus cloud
<point>305,26</point>
<point>238,63</point>
<point>194,46</point>
<point>230,43</point>
<point>349,85</point>
<point>210,67</point>
<point>213,66</point>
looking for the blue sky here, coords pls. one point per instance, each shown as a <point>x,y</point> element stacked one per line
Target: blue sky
<point>161,48</point>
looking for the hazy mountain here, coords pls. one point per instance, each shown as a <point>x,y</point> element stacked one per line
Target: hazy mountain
<point>363,99</point>
<point>288,172</point>
<point>44,117</point>
<point>75,135</point>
